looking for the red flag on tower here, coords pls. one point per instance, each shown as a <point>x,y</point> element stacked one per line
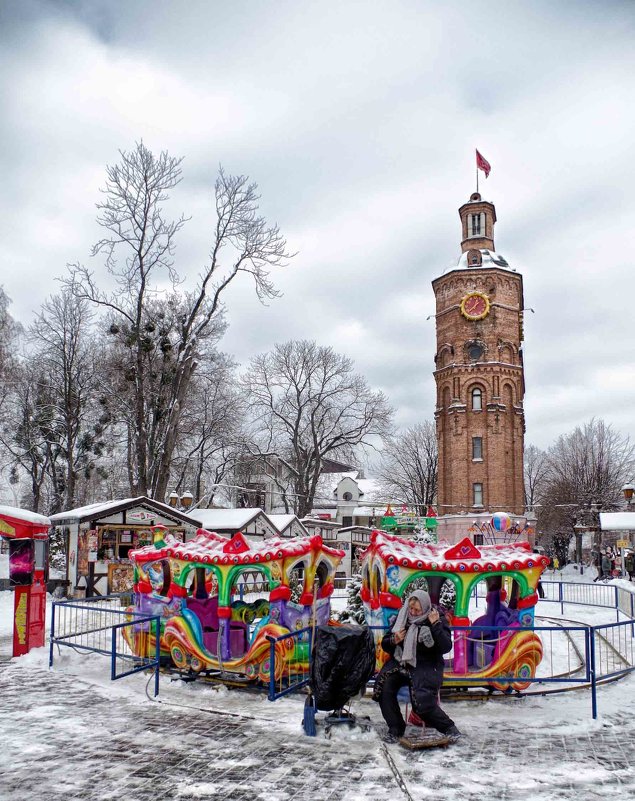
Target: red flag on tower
<point>483,164</point>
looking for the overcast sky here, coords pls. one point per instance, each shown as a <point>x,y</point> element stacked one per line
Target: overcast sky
<point>359,121</point>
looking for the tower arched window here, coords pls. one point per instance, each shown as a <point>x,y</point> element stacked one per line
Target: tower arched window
<point>476,225</point>
<point>477,399</point>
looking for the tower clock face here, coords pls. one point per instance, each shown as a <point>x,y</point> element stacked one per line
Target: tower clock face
<point>475,306</point>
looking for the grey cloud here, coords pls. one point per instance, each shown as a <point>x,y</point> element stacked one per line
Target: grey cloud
<point>360,130</point>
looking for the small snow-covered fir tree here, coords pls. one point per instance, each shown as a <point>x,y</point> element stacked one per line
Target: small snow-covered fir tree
<point>423,536</point>
<point>296,585</point>
<point>447,596</point>
<point>354,612</point>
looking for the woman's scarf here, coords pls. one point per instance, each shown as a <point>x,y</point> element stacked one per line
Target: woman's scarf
<point>407,652</point>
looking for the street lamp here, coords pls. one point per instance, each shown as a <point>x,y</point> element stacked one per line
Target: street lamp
<point>628,490</point>
<point>184,502</point>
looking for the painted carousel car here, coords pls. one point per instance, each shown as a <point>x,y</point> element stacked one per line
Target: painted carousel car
<point>498,643</point>
<point>221,599</point>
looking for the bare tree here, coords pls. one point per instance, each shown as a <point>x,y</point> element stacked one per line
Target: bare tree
<point>9,331</point>
<point>26,433</point>
<point>211,431</point>
<point>163,354</point>
<point>536,468</point>
<point>585,472</point>
<point>308,404</point>
<point>64,353</point>
<point>408,466</point>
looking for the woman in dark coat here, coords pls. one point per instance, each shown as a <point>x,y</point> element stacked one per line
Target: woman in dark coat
<point>416,644</point>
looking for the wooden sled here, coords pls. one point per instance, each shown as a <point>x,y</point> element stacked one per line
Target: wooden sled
<point>419,741</point>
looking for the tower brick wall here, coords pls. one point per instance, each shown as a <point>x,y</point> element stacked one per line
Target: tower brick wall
<point>479,354</point>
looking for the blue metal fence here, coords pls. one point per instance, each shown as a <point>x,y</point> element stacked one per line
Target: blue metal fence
<point>593,654</point>
<point>100,625</point>
<point>294,673</point>
<point>603,652</point>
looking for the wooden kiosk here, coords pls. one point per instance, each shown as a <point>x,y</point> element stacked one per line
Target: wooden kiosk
<point>99,537</point>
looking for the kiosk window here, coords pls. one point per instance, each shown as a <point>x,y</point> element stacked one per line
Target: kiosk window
<point>124,550</point>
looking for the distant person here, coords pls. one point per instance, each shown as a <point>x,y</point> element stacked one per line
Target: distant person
<point>606,566</point>
<point>629,564</point>
<point>556,563</point>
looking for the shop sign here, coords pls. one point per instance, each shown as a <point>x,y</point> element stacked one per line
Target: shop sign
<point>623,544</point>
<point>140,515</point>
<point>5,528</point>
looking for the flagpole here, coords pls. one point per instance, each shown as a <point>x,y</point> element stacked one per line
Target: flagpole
<point>477,177</point>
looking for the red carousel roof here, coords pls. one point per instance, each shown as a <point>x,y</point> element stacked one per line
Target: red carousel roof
<point>210,548</point>
<point>464,557</point>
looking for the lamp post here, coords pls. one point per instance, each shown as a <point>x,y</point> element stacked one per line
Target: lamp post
<point>579,530</point>
<point>628,491</point>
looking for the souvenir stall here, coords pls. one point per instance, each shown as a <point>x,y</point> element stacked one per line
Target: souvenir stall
<point>27,533</point>
<point>99,537</point>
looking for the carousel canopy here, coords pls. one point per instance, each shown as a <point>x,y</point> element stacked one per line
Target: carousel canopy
<point>211,548</point>
<point>462,557</point>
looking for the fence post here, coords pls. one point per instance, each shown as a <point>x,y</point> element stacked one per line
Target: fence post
<point>113,652</point>
<point>617,604</point>
<point>594,697</point>
<point>157,631</point>
<point>560,597</point>
<point>52,635</point>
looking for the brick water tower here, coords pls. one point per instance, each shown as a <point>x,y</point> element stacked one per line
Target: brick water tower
<point>480,382</point>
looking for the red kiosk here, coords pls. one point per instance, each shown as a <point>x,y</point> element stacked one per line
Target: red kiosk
<point>27,533</point>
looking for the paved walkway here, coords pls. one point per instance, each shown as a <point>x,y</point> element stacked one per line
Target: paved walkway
<point>65,736</point>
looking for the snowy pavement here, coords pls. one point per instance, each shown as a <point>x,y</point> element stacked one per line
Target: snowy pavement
<point>71,734</point>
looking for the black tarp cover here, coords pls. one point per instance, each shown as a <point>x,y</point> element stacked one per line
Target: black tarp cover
<point>343,661</point>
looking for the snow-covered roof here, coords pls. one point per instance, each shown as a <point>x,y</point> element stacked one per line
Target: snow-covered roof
<point>94,511</point>
<point>617,521</point>
<point>317,521</point>
<point>328,483</point>
<point>323,510</point>
<point>364,529</point>
<point>282,522</point>
<point>25,514</point>
<point>211,548</point>
<point>489,259</point>
<point>464,557</point>
<point>224,519</point>
<point>363,511</point>
<point>90,509</point>
<point>370,488</point>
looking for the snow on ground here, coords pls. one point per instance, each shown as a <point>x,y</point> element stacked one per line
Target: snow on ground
<point>103,740</point>
<point>6,614</point>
